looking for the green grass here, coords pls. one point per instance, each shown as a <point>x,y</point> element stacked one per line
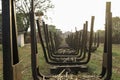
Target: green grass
<point>116,62</point>
<point>94,64</point>
<point>25,55</point>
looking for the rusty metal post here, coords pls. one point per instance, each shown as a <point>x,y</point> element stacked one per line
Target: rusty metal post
<point>109,43</point>
<point>107,55</point>
<point>11,66</point>
<point>41,40</point>
<point>86,37</point>
<point>91,38</point>
<point>33,43</point>
<point>95,40</point>
<point>83,40</point>
<point>98,40</point>
<point>16,65</point>
<point>7,39</point>
<point>91,33</point>
<point>14,35</point>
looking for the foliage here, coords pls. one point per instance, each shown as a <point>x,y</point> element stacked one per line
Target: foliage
<point>20,25</point>
<point>101,35</point>
<point>57,33</point>
<point>23,9</point>
<point>116,29</point>
<point>52,28</point>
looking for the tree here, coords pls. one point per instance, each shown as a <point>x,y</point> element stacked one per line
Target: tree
<point>23,9</point>
<point>116,29</point>
<point>52,28</point>
<point>101,35</point>
<point>20,24</point>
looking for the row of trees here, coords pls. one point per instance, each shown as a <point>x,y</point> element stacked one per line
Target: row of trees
<point>115,31</point>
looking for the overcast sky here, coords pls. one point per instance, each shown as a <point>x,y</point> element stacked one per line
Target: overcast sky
<point>69,14</point>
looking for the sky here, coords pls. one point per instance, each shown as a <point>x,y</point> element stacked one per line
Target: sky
<point>69,14</point>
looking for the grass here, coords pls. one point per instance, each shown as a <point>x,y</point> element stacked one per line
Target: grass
<point>96,61</point>
<point>25,55</point>
<point>94,64</point>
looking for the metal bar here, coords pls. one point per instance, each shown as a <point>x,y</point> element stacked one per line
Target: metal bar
<point>41,40</point>
<point>109,44</point>
<point>33,43</point>
<point>16,66</point>
<point>7,39</point>
<point>43,47</point>
<point>14,35</point>
<point>95,40</point>
<point>102,74</point>
<point>85,40</point>
<point>107,55</point>
<point>91,38</point>
<point>98,40</point>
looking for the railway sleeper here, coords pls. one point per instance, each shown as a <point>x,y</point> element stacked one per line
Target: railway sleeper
<point>55,70</point>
